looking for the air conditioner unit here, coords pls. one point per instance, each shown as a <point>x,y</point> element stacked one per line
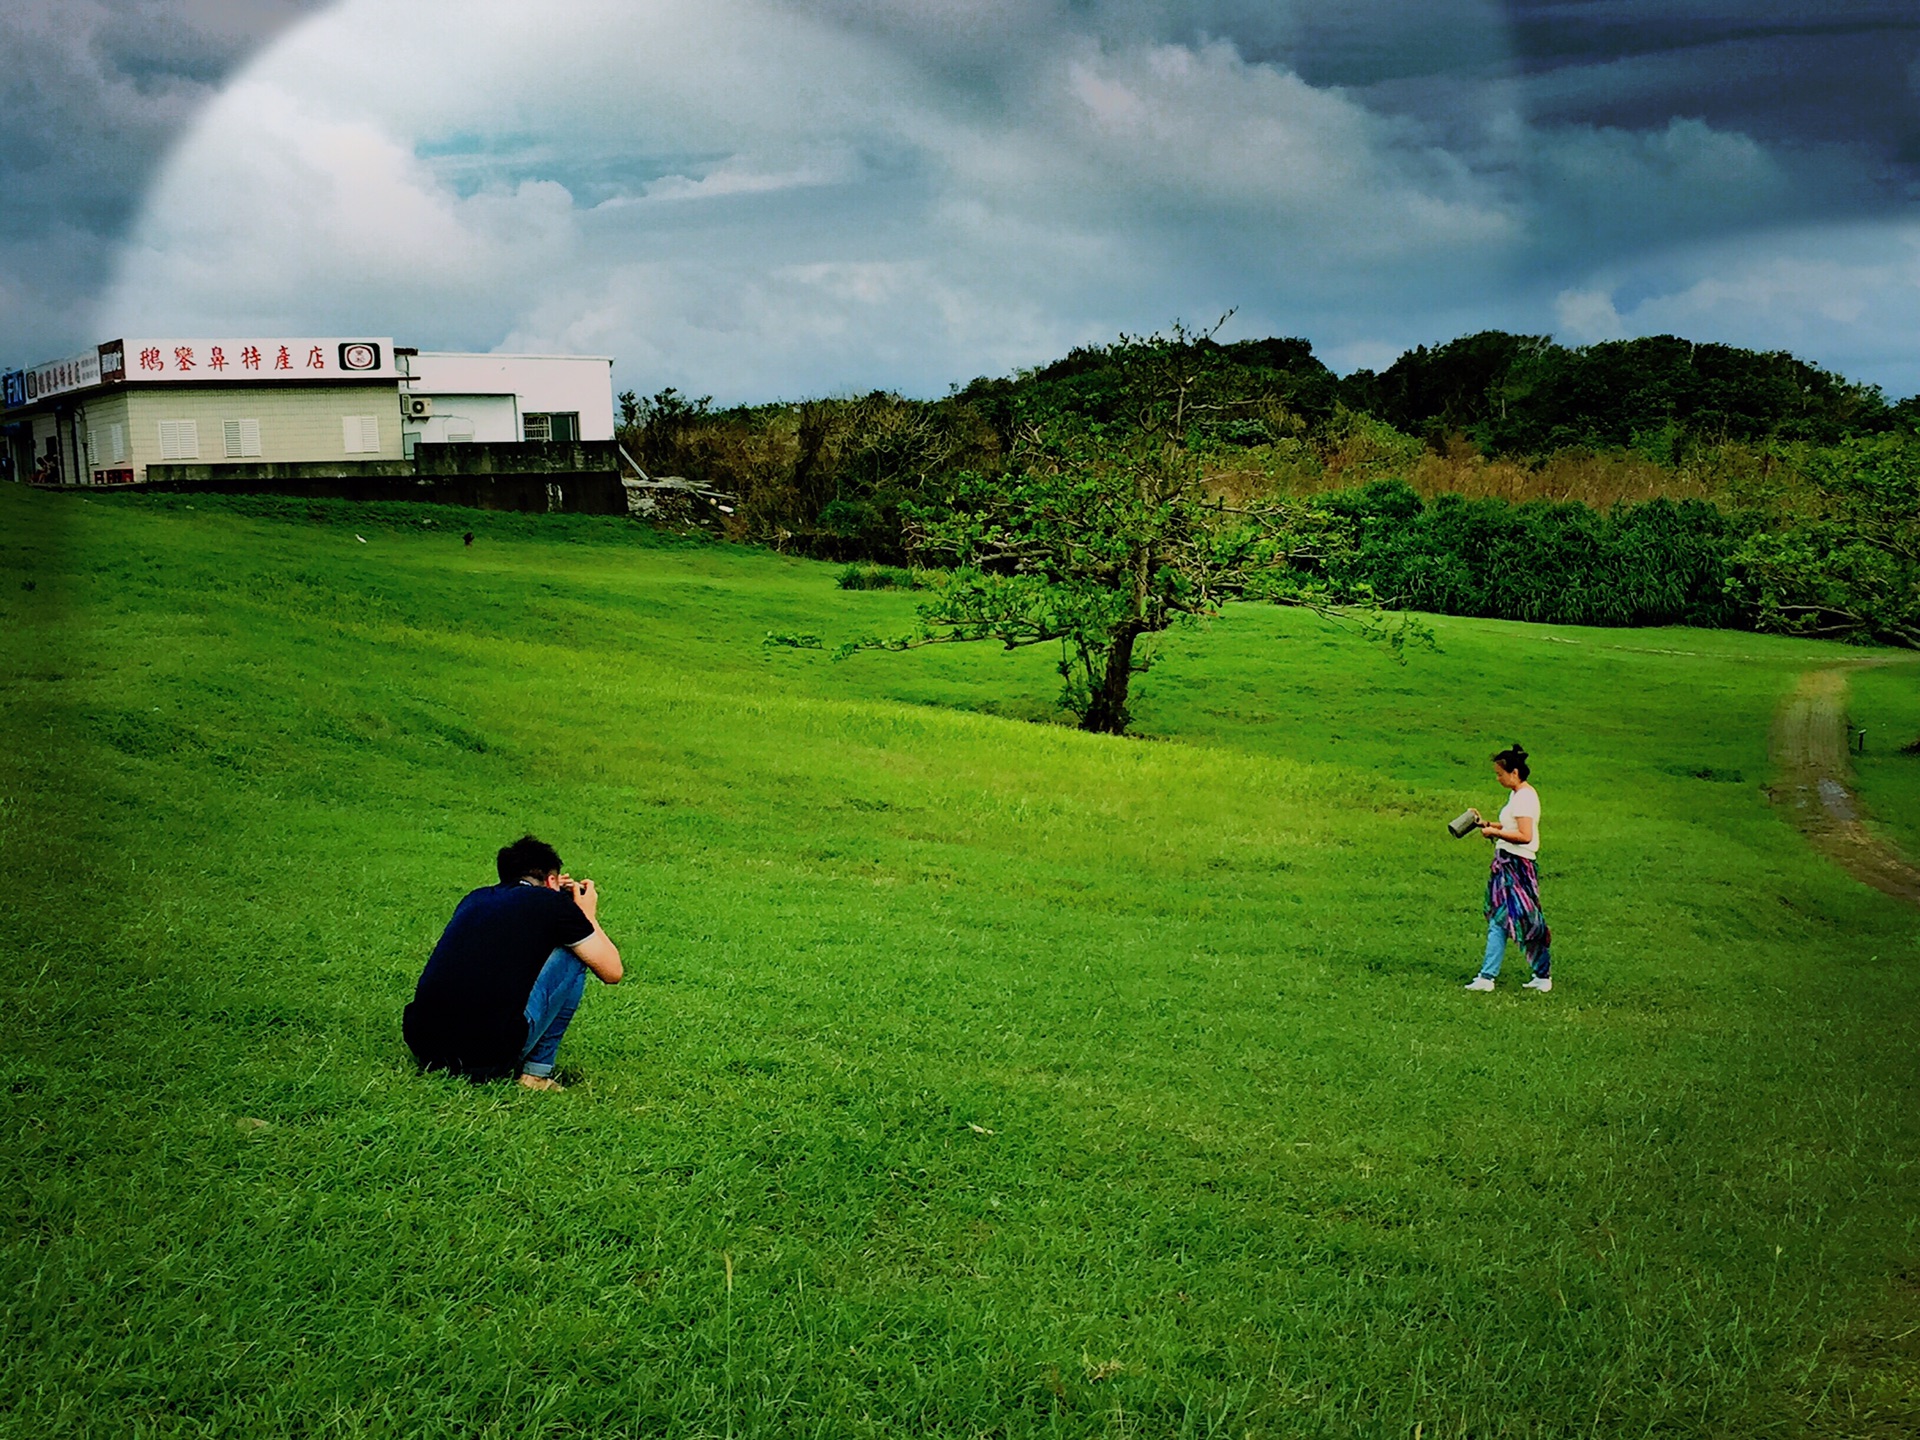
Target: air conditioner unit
<point>417,407</point>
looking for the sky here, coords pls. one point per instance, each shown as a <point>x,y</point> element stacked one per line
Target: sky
<point>761,199</point>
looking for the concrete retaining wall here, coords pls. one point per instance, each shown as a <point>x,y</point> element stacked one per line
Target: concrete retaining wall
<point>578,476</point>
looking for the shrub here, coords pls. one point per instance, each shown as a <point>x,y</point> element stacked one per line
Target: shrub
<point>868,576</point>
<point>1658,563</point>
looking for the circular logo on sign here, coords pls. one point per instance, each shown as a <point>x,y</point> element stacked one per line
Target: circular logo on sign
<point>360,356</point>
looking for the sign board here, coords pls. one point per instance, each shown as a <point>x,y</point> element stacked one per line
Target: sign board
<point>207,362</point>
<point>56,377</point>
<point>278,359</point>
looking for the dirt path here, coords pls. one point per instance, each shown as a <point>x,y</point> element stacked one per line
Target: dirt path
<point>1809,751</point>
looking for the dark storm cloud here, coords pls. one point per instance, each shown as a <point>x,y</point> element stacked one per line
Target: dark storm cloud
<point>1787,74</point>
<point>1831,91</point>
<point>92,94</point>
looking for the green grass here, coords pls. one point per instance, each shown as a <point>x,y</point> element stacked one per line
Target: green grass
<point>1031,1083</point>
<point>1887,702</point>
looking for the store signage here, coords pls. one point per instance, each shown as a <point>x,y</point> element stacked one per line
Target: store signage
<point>301,359</point>
<point>56,377</point>
<point>207,361</point>
<point>14,389</point>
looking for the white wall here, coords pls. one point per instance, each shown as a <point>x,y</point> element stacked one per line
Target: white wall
<point>582,384</point>
<point>468,417</point>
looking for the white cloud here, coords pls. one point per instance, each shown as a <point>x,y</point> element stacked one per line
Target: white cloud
<point>758,198</point>
<point>1585,316</point>
<point>1847,296</point>
<point>733,178</point>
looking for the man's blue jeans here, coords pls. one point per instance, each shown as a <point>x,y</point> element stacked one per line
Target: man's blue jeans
<point>556,995</point>
<point>1497,948</point>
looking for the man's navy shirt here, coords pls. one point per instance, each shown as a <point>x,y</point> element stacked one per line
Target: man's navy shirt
<point>469,1011</point>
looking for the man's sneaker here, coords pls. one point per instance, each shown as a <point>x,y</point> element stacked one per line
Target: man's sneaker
<point>1480,982</point>
<point>1540,983</point>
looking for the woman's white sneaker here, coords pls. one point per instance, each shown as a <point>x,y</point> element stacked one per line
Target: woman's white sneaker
<point>1540,983</point>
<point>1480,982</point>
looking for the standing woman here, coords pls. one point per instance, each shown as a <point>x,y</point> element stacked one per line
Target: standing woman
<point>1513,887</point>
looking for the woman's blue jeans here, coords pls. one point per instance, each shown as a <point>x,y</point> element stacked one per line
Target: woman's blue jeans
<point>1497,948</point>
<point>556,995</point>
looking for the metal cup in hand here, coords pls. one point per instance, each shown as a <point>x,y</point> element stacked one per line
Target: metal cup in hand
<point>1463,824</point>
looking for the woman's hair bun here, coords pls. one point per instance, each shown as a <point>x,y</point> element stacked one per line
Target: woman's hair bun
<point>1517,749</point>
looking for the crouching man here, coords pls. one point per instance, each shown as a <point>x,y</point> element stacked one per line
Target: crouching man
<point>509,972</point>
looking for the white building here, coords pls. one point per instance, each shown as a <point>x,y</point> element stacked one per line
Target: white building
<point>451,398</point>
<point>104,416</point>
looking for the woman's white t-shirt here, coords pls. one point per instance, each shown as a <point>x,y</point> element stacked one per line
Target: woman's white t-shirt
<point>1524,801</point>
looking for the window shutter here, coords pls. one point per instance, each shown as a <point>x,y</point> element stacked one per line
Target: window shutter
<point>117,437</point>
<point>360,434</point>
<point>179,440</point>
<point>243,438</point>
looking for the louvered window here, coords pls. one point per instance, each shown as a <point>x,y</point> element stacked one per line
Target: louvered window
<point>243,438</point>
<point>107,445</point>
<point>179,440</point>
<point>360,434</point>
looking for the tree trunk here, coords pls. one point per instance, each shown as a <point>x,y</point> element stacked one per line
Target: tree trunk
<point>1107,710</point>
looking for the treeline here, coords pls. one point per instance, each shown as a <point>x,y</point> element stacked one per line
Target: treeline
<point>1634,482</point>
<point>1848,568</point>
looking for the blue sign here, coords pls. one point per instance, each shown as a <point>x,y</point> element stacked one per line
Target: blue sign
<point>16,389</point>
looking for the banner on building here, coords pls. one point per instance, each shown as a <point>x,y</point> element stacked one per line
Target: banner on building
<point>205,362</point>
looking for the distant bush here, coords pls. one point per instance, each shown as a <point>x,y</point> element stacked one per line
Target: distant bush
<point>1658,563</point>
<point>1523,394</point>
<point>869,576</point>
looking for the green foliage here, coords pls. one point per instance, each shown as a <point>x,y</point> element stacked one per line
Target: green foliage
<point>824,478</point>
<point>1522,394</point>
<point>1794,481</point>
<point>1653,564</point>
<point>868,576</point>
<point>1251,392</point>
<point>1848,567</point>
<point>661,425</point>
<point>1101,534</point>
<point>1884,701</point>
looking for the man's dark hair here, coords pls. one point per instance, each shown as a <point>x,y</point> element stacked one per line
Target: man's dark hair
<point>527,859</point>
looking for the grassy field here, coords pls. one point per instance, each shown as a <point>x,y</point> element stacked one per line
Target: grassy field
<point>1887,702</point>
<point>973,1076</point>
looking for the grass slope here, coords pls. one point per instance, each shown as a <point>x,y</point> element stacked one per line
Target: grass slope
<point>1029,1083</point>
<point>1887,702</point>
